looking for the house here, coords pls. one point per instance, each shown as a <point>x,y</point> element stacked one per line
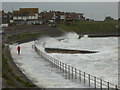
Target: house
<point>6,17</point>
<point>47,17</point>
<point>58,16</point>
<point>26,16</point>
<point>71,16</point>
<point>0,17</point>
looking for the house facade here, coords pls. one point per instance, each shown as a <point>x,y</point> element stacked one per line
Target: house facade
<point>56,16</point>
<point>6,17</point>
<point>32,16</point>
<point>26,16</point>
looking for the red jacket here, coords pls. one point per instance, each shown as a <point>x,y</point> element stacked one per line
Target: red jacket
<point>18,48</point>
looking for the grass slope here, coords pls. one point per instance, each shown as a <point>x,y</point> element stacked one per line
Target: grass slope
<point>18,37</point>
<point>89,26</point>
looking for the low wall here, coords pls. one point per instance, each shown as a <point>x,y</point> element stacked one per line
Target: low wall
<point>59,50</point>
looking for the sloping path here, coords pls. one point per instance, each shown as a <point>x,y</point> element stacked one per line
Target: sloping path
<point>38,70</point>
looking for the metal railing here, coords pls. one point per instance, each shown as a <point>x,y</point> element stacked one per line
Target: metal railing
<point>74,73</point>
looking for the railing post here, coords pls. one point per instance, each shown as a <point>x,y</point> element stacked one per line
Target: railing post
<point>63,67</point>
<point>108,85</point>
<point>60,66</point>
<point>95,81</point>
<point>55,64</point>
<point>116,87</point>
<point>89,78</point>
<point>75,73</point>
<point>80,75</point>
<point>84,77</point>
<point>66,68</point>
<point>72,72</point>
<point>69,71</point>
<point>101,84</point>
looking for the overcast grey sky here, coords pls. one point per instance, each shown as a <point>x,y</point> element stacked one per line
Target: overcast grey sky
<point>92,10</point>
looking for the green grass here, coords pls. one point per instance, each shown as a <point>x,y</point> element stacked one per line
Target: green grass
<point>17,37</point>
<point>28,84</point>
<point>89,26</point>
<point>10,70</point>
<point>0,60</point>
<point>4,75</point>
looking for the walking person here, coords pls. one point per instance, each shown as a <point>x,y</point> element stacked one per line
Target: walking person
<point>18,48</point>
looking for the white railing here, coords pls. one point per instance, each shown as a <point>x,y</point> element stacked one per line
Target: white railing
<point>74,73</point>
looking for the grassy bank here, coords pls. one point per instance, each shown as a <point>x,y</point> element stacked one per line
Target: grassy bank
<point>11,78</point>
<point>11,75</point>
<point>23,36</point>
<point>89,26</point>
<point>15,27</point>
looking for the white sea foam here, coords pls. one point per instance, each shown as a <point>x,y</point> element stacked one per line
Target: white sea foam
<point>38,70</point>
<point>103,64</point>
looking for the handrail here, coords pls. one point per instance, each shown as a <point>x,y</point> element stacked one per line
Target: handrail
<point>76,73</point>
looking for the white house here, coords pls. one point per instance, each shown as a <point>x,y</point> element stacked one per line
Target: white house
<point>26,16</point>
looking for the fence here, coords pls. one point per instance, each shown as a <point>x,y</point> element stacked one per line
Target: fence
<point>74,73</point>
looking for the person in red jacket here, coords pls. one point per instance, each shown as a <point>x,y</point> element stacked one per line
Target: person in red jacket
<point>18,48</point>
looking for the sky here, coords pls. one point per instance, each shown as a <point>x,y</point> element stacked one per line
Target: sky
<point>93,10</point>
